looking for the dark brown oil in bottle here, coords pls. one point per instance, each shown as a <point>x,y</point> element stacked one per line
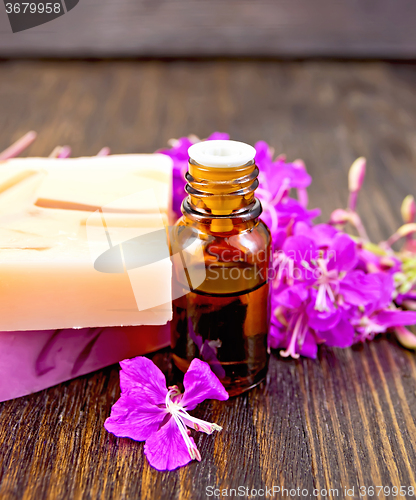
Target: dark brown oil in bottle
<point>229,332</point>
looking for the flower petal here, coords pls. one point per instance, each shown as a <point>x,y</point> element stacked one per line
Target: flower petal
<point>166,448</point>
<point>309,347</point>
<point>292,297</point>
<point>277,336</point>
<point>264,156</point>
<point>135,417</point>
<point>322,234</point>
<point>144,377</point>
<point>216,136</point>
<point>358,288</point>
<point>389,319</point>
<point>322,320</point>
<point>201,383</point>
<point>385,287</point>
<point>295,176</point>
<point>291,211</point>
<point>345,254</point>
<point>300,248</point>
<point>341,335</point>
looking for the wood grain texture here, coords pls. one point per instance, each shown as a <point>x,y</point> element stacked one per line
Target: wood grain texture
<point>277,28</point>
<point>345,420</point>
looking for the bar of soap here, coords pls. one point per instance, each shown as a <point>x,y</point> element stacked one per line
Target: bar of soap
<point>57,217</point>
<point>34,360</point>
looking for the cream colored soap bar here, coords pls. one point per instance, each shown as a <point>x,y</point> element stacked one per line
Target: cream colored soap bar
<point>57,217</point>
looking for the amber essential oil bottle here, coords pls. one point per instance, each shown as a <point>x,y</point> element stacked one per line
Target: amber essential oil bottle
<point>221,292</point>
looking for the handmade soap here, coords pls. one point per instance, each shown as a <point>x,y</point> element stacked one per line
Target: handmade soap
<point>57,217</point>
<point>34,360</point>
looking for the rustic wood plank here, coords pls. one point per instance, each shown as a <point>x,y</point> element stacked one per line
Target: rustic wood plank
<point>345,420</point>
<point>163,28</point>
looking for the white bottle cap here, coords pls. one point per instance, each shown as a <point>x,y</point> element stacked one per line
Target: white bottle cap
<point>221,154</point>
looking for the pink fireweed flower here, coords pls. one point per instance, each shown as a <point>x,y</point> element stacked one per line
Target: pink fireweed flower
<point>318,290</point>
<point>148,411</point>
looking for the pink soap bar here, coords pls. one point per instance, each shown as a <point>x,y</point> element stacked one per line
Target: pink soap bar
<point>34,360</point>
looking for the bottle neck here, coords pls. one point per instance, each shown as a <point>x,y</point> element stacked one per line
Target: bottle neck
<point>221,197</point>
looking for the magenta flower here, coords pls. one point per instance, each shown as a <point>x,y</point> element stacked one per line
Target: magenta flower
<point>318,291</point>
<point>322,296</point>
<point>290,327</point>
<point>148,411</point>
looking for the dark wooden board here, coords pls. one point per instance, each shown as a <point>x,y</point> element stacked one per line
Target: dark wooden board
<point>277,28</point>
<point>345,420</point>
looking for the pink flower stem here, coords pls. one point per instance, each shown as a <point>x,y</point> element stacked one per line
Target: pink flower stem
<point>392,240</point>
<point>394,237</point>
<point>20,145</point>
<point>352,201</point>
<point>360,228</point>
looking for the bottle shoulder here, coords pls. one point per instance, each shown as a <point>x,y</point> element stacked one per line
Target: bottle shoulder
<point>254,236</point>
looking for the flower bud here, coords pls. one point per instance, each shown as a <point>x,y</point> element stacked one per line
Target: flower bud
<point>406,229</point>
<point>405,337</point>
<point>356,174</point>
<point>408,209</point>
<point>299,164</point>
<point>340,216</point>
<point>387,262</point>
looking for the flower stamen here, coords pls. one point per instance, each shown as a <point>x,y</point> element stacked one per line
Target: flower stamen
<point>183,419</point>
<point>291,349</point>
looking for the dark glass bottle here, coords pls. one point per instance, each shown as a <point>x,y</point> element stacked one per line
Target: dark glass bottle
<point>221,311</point>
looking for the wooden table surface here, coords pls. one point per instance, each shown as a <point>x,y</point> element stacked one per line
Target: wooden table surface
<point>343,421</point>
